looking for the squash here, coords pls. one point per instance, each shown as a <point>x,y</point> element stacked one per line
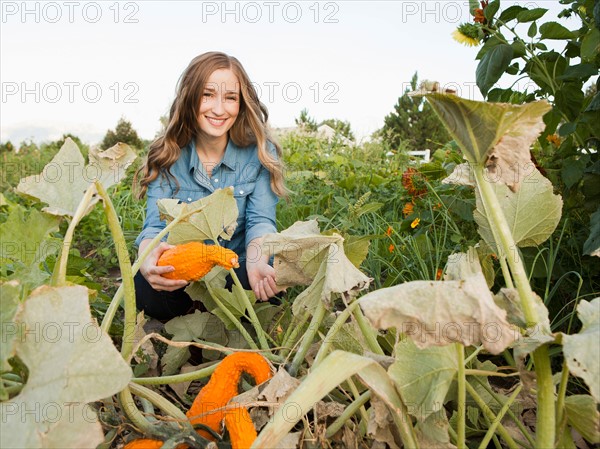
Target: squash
<point>194,260</point>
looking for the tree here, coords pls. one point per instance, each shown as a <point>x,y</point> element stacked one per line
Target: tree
<point>340,126</point>
<point>305,122</point>
<point>124,133</point>
<point>414,123</point>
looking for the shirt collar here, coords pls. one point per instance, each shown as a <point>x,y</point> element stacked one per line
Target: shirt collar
<point>229,159</point>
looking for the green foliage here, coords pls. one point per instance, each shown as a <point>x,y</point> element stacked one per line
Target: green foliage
<point>305,122</point>
<point>123,133</point>
<point>340,126</point>
<point>413,124</point>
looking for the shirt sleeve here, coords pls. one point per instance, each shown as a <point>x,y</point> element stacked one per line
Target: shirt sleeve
<point>261,206</point>
<point>157,189</point>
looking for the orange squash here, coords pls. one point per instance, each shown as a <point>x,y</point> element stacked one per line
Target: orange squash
<point>194,260</point>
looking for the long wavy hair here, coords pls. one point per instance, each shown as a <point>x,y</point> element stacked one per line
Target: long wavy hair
<point>250,126</point>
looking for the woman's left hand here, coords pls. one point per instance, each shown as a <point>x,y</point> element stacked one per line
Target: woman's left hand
<point>261,276</point>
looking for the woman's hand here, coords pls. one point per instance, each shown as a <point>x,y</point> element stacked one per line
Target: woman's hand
<point>261,275</point>
<point>153,273</point>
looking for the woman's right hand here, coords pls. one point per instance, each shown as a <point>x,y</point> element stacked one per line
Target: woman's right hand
<point>153,273</point>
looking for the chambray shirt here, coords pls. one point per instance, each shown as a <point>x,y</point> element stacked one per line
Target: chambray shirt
<point>240,168</point>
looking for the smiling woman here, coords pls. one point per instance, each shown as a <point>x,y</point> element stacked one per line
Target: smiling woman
<point>216,137</point>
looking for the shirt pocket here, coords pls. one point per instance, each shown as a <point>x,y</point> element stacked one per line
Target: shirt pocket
<point>240,193</point>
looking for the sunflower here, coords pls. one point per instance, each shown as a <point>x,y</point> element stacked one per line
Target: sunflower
<point>468,34</point>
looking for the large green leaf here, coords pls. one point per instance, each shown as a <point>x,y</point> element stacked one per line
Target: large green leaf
<point>71,362</point>
<point>423,376</point>
<point>583,415</point>
<point>492,66</point>
<point>209,218</point>
<point>10,292</point>
<point>497,135</point>
<point>64,180</point>
<point>532,213</point>
<point>581,350</point>
<point>530,15</point>
<point>554,30</point>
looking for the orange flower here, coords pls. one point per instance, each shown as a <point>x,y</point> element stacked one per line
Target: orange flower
<point>438,274</point>
<point>414,182</point>
<point>389,231</point>
<point>408,209</point>
<point>479,17</point>
<point>553,139</point>
<point>391,248</point>
<point>415,223</point>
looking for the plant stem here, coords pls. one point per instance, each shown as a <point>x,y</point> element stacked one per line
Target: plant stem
<point>260,333</point>
<point>506,272</point>
<point>308,338</point>
<point>347,414</point>
<point>59,275</point>
<point>490,415</point>
<point>290,339</point>
<point>132,412</point>
<point>177,378</point>
<point>233,319</point>
<point>462,397</point>
<point>126,273</point>
<point>492,429</point>
<point>333,330</point>
<point>160,402</point>
<point>368,331</point>
<point>545,393</point>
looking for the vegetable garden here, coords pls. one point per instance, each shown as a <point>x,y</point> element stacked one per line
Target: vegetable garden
<point>454,303</point>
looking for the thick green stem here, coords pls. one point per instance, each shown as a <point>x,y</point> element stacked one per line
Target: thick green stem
<point>333,330</point>
<point>260,333</point>
<point>126,272</point>
<point>348,413</point>
<point>232,318</point>
<point>506,272</point>
<point>368,331</point>
<point>308,338</point>
<point>462,397</point>
<point>134,415</point>
<point>59,275</point>
<point>177,378</point>
<point>490,415</point>
<point>545,434</point>
<point>160,402</point>
<point>492,429</point>
<point>356,394</point>
<point>296,327</point>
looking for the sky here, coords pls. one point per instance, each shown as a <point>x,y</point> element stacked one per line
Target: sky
<point>79,66</point>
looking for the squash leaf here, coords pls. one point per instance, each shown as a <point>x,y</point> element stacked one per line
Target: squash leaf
<point>66,177</point>
<point>71,362</point>
<point>581,350</point>
<point>497,135</point>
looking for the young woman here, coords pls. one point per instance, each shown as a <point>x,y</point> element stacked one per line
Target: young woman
<point>216,137</point>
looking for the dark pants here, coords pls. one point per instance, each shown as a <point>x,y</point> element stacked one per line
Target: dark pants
<point>163,305</point>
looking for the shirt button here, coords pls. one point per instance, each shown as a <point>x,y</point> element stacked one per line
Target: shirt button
<point>216,180</point>
<point>189,199</point>
<point>241,192</point>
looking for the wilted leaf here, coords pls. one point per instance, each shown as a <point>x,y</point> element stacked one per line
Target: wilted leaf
<point>71,363</point>
<point>432,433</point>
<point>439,313</point>
<point>381,423</point>
<point>64,180</point>
<point>279,387</point>
<point>581,350</point>
<point>583,415</point>
<point>416,372</point>
<point>532,213</point>
<point>461,175</point>
<point>209,218</point>
<point>497,135</point>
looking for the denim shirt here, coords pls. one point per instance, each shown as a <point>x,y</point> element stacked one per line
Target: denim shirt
<point>240,168</point>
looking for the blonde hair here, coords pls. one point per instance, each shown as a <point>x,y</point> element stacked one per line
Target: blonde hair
<point>249,128</point>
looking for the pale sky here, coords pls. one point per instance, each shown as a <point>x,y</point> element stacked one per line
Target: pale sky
<point>78,66</point>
